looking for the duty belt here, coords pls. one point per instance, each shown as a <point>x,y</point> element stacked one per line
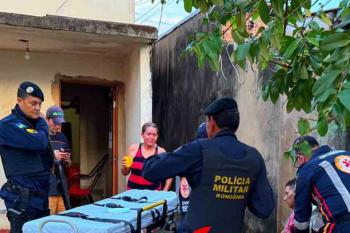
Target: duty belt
<point>19,190</point>
<point>105,220</point>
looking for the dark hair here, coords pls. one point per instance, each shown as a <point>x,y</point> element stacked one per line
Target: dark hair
<point>227,120</point>
<point>147,125</point>
<point>22,94</point>
<point>291,183</point>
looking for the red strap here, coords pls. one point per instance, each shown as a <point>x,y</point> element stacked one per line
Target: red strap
<point>203,230</point>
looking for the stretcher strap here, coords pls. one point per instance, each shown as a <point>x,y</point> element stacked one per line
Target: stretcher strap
<point>131,199</point>
<point>105,220</point>
<point>155,215</point>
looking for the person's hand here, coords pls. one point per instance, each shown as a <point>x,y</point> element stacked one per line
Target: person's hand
<point>66,156</point>
<point>61,155</point>
<point>124,162</point>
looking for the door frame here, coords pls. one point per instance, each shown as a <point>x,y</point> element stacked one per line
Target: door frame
<point>118,90</point>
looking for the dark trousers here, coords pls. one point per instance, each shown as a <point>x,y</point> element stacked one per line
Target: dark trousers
<point>18,218</point>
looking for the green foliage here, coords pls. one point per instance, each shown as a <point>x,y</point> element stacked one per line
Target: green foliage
<point>303,127</point>
<point>311,63</point>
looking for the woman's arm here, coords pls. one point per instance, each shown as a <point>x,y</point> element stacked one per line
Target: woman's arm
<point>131,152</point>
<point>168,184</point>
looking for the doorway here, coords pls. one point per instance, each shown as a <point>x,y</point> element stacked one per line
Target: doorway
<point>89,113</point>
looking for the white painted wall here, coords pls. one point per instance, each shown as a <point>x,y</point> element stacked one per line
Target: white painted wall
<point>42,69</point>
<point>108,10</point>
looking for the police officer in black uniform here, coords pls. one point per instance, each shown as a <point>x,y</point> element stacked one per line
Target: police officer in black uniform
<point>25,158</point>
<point>225,174</point>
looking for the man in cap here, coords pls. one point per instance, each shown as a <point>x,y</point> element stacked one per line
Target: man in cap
<point>225,174</point>
<point>322,178</point>
<point>61,149</point>
<point>25,157</point>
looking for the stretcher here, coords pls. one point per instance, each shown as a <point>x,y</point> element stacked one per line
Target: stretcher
<point>130,211</point>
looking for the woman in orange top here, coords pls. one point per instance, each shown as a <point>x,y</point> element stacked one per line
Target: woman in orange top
<point>140,152</point>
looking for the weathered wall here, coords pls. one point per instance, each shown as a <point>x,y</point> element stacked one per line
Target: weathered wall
<point>181,91</point>
<point>109,10</point>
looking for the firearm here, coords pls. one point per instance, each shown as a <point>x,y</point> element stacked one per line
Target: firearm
<point>61,179</point>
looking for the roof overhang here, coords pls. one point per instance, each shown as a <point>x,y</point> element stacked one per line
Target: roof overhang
<point>72,35</point>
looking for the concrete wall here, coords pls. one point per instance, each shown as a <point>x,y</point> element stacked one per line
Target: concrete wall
<point>108,10</point>
<point>138,104</point>
<point>181,91</point>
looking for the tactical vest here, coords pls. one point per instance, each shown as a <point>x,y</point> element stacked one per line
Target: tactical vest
<point>219,201</point>
<point>20,162</point>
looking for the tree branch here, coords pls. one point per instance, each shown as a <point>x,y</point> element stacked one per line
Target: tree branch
<point>281,64</point>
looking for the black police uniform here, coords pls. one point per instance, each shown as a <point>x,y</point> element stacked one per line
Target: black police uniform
<point>26,161</point>
<point>225,174</point>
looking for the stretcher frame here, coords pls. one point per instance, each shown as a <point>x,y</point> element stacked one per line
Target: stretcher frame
<point>159,223</point>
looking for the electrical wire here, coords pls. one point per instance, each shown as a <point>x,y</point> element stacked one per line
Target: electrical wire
<point>146,19</point>
<point>149,10</point>
<point>63,3</point>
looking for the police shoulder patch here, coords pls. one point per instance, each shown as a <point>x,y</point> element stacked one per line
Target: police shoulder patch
<point>20,125</point>
<point>342,162</point>
<point>31,131</point>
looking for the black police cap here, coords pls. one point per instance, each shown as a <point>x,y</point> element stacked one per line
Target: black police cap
<point>311,140</point>
<point>29,88</point>
<point>224,104</point>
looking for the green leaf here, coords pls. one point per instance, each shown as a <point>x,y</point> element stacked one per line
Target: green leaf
<point>241,22</point>
<point>314,25</point>
<point>188,5</point>
<point>324,96</point>
<point>305,148</point>
<point>264,11</point>
<point>289,106</point>
<point>324,18</point>
<point>214,16</point>
<point>303,127</point>
<point>307,4</point>
<point>277,6</point>
<point>218,2</point>
<point>344,98</point>
<point>322,126</point>
<point>242,51</point>
<point>335,40</point>
<point>265,92</point>
<point>237,37</point>
<point>323,83</point>
<point>287,155</point>
<point>291,48</point>
<point>303,72</point>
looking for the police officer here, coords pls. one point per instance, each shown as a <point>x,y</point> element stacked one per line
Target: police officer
<point>225,174</point>
<point>322,179</point>
<point>25,158</point>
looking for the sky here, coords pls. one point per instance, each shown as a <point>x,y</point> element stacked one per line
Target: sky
<point>147,13</point>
